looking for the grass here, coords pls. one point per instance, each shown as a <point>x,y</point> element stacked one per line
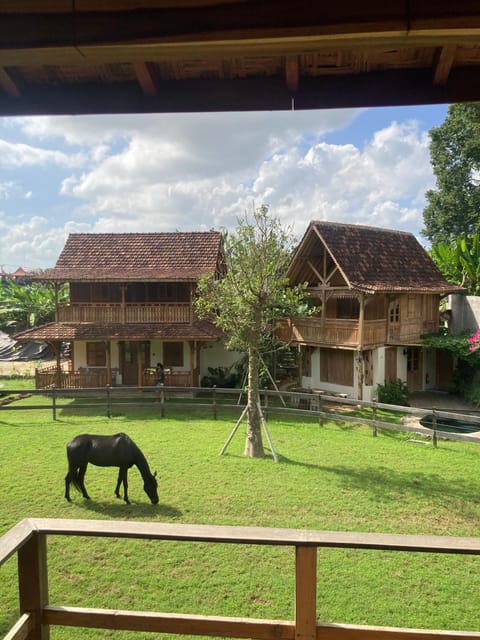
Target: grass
<point>334,477</point>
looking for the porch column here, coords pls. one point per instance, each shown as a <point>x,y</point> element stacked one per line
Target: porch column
<point>108,352</point>
<point>193,360</point>
<point>361,329</point>
<point>123,289</point>
<point>139,365</point>
<point>57,349</point>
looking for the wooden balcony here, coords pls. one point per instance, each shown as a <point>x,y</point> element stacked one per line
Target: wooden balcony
<point>332,332</point>
<point>116,313</point>
<point>327,332</point>
<point>28,541</point>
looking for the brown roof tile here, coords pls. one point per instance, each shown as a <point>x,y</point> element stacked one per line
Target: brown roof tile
<point>199,330</point>
<point>376,259</point>
<point>137,256</point>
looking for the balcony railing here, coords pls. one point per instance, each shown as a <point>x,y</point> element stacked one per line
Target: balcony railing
<point>338,332</point>
<point>116,313</point>
<point>28,540</point>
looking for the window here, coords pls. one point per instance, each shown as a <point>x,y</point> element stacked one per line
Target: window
<point>413,359</point>
<point>348,308</point>
<point>96,354</point>
<point>394,311</point>
<point>173,354</point>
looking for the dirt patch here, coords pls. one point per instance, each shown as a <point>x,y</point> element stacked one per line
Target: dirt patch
<point>12,368</point>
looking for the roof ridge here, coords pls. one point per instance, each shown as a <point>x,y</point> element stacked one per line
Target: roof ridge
<point>362,226</point>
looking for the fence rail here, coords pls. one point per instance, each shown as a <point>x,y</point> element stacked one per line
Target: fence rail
<point>28,540</point>
<point>171,399</point>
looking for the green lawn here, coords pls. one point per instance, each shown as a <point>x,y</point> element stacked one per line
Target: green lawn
<point>334,477</point>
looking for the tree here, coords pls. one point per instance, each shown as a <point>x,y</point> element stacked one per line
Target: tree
<point>454,207</point>
<point>459,261</point>
<point>248,299</point>
<point>27,305</point>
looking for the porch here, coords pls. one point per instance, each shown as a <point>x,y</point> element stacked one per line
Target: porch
<point>64,377</point>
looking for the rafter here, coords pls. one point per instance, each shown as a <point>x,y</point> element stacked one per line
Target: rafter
<point>443,66</point>
<point>146,78</point>
<point>8,85</point>
<point>292,73</point>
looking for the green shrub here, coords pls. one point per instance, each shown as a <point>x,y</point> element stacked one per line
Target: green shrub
<point>393,393</point>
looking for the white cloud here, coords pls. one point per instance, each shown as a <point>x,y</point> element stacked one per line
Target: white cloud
<point>167,172</point>
<point>18,155</point>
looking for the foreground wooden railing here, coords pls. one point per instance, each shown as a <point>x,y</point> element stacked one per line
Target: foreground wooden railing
<point>28,539</point>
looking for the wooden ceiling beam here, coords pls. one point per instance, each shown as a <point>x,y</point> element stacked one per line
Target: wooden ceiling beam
<point>146,78</point>
<point>8,85</point>
<point>292,73</point>
<point>273,27</point>
<point>247,94</point>
<point>443,65</point>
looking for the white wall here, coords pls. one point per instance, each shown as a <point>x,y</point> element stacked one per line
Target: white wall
<point>214,354</point>
<point>465,313</point>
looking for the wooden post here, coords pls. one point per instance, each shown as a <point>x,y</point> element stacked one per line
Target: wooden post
<point>33,583</point>
<point>109,402</point>
<point>162,401</point>
<point>374,416</point>
<point>214,401</point>
<point>54,403</point>
<point>305,593</point>
<point>434,427</point>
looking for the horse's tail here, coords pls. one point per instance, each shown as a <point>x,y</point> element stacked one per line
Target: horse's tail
<point>74,478</point>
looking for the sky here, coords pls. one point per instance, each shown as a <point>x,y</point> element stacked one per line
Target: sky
<point>197,172</point>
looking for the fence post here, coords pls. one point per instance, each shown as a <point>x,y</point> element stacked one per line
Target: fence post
<point>54,402</point>
<point>214,401</point>
<point>109,402</point>
<point>305,593</point>
<point>374,418</point>
<point>434,427</point>
<point>33,583</point>
<point>162,401</point>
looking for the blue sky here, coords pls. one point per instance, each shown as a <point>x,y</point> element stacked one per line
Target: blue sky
<point>130,173</point>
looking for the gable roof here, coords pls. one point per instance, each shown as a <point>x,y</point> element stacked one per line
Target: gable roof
<point>372,259</point>
<point>121,257</point>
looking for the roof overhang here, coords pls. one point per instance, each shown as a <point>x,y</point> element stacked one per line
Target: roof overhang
<point>140,56</point>
<point>202,331</point>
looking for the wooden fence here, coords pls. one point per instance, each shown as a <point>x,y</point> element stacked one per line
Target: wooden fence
<point>28,540</point>
<point>212,399</point>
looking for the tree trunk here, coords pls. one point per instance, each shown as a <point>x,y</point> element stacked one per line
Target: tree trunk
<point>253,442</point>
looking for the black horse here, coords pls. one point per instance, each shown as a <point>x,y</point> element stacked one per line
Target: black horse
<point>107,451</point>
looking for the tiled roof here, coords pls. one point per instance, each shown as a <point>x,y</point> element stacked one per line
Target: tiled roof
<point>199,330</point>
<point>137,256</point>
<point>375,259</point>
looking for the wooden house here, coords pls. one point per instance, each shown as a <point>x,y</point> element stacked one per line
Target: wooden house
<point>130,306</point>
<point>377,292</point>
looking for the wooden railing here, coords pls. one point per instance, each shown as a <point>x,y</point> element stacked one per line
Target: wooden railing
<point>332,331</point>
<point>28,539</point>
<point>338,332</point>
<point>85,378</point>
<point>116,313</point>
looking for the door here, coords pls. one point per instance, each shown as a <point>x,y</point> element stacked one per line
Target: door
<point>134,358</point>
<point>391,364</point>
<point>414,369</point>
